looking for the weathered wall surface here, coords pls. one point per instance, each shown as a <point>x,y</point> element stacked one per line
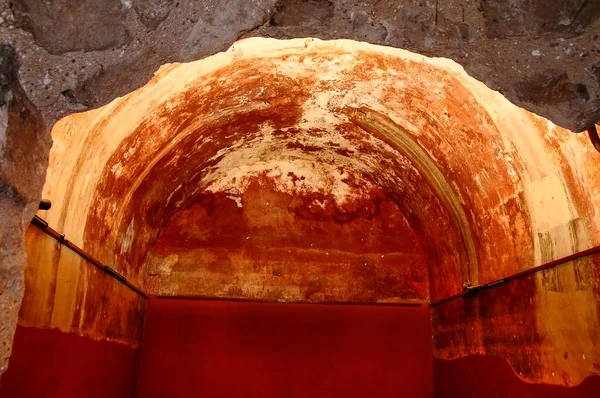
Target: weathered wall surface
<point>212,348</point>
<point>275,144</point>
<point>541,54</point>
<point>79,330</point>
<point>64,292</point>
<point>280,246</point>
<point>491,376</point>
<point>545,326</point>
<point>304,135</point>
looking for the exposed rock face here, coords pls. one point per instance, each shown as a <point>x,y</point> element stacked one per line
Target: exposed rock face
<point>517,18</point>
<point>153,12</point>
<point>24,147</point>
<point>553,88</point>
<point>76,25</point>
<point>109,48</point>
<point>301,12</point>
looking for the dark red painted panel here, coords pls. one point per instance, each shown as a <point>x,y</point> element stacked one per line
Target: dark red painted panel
<point>250,349</point>
<point>49,363</point>
<point>492,377</point>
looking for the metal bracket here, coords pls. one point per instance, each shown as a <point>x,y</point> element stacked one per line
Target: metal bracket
<point>45,204</point>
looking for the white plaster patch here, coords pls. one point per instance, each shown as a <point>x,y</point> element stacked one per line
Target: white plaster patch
<point>296,175</point>
<point>316,115</point>
<point>173,193</point>
<point>117,169</point>
<point>235,196</point>
<point>293,169</point>
<point>480,178</point>
<point>128,238</point>
<point>236,199</point>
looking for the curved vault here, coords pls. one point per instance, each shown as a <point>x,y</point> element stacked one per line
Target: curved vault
<point>347,141</point>
<point>320,171</point>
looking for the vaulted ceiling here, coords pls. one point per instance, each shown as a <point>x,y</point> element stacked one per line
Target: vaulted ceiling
<point>317,171</point>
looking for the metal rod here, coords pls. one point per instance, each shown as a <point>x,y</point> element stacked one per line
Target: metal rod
<point>399,303</point>
<point>554,263</point>
<point>43,225</point>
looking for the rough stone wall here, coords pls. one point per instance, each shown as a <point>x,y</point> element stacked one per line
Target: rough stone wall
<point>24,147</point>
<point>543,55</point>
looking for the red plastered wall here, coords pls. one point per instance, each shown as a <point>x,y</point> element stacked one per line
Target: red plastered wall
<point>246,349</point>
<point>51,364</point>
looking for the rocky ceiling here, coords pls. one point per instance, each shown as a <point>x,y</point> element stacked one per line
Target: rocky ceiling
<point>543,55</point>
<point>305,170</point>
